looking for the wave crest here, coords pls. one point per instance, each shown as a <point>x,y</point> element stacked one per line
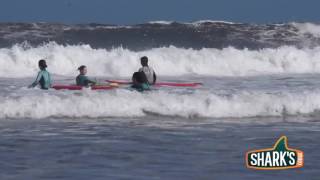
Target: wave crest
<point>124,103</point>
<point>20,61</point>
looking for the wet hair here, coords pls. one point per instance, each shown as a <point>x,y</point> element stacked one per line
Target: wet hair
<point>140,77</point>
<point>144,61</point>
<point>81,67</point>
<point>42,64</point>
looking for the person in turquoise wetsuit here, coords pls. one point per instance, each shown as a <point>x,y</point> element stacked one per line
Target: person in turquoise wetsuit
<point>43,77</point>
<point>140,81</point>
<point>82,79</point>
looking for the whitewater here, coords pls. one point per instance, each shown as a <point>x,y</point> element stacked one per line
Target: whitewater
<point>236,82</point>
<point>259,82</point>
<point>20,60</point>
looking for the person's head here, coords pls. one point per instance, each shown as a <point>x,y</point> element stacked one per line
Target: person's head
<point>42,64</point>
<point>144,61</point>
<point>139,77</point>
<point>83,70</point>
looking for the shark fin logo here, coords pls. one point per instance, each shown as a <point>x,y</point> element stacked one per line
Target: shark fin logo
<point>278,157</point>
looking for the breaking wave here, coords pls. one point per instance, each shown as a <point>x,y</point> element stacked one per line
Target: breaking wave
<point>125,103</point>
<point>21,60</point>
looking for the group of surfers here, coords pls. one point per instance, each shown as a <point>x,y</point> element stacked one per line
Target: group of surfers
<point>141,80</point>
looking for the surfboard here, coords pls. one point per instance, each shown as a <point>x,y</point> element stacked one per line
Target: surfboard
<point>75,87</point>
<point>174,84</point>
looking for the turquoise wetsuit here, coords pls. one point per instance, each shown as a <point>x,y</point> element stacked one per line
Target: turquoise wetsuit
<point>44,79</point>
<point>83,80</point>
<point>141,87</point>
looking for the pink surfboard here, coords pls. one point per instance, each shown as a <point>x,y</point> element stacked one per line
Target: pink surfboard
<point>175,84</point>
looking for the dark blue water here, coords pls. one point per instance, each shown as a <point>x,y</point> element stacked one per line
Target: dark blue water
<point>197,35</point>
<point>151,148</point>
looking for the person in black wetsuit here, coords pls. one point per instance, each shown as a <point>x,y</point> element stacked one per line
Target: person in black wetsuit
<point>140,82</point>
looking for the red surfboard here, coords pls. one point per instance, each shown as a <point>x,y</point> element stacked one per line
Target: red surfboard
<point>75,87</point>
<point>175,84</point>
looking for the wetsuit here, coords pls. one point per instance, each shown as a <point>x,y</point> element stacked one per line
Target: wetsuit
<point>150,74</point>
<point>83,80</point>
<point>44,79</point>
<point>141,87</point>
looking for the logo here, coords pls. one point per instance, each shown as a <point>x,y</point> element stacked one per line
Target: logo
<point>278,157</point>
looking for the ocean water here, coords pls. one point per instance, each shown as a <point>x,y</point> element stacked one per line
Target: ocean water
<point>260,82</point>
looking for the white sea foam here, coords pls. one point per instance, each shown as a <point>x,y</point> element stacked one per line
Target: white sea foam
<point>197,23</point>
<point>161,22</point>
<point>308,28</point>
<point>19,61</point>
<point>124,103</point>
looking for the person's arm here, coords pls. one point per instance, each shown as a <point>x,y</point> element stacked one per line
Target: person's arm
<point>89,81</point>
<point>92,82</point>
<point>154,77</point>
<point>36,82</point>
<point>78,81</point>
<point>50,80</point>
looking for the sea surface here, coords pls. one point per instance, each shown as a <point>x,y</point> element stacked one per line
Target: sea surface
<point>259,82</point>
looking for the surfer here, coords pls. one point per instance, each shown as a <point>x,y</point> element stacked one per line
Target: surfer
<point>82,79</point>
<point>43,77</point>
<point>140,82</point>
<point>148,71</point>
